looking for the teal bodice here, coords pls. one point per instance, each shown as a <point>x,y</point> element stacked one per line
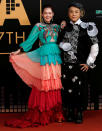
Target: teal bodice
<point>49,51</point>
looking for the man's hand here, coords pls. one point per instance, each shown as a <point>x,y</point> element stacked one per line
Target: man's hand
<point>84,67</point>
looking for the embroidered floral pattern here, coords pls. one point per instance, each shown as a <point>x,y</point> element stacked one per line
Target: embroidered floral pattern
<point>72,39</point>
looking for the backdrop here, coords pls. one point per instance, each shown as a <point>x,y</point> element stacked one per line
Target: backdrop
<point>17,17</point>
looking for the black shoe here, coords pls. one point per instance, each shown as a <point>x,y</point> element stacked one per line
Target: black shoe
<point>79,118</point>
<point>70,117</point>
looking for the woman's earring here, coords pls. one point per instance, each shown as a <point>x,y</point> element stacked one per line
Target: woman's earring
<point>52,19</point>
<point>42,20</point>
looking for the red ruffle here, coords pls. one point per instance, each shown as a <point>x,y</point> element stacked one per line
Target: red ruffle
<point>34,118</point>
<point>44,101</point>
<point>43,108</point>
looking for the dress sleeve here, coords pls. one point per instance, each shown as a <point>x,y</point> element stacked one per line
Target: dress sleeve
<point>92,32</point>
<point>57,27</point>
<point>28,43</point>
<point>92,55</point>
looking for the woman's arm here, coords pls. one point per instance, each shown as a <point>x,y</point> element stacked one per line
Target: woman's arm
<point>27,44</point>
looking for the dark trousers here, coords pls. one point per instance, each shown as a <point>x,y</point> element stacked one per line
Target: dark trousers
<point>75,87</point>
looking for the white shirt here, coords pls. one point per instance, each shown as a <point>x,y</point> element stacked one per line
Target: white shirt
<point>77,22</point>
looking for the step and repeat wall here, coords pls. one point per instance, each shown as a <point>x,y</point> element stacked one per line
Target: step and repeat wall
<point>17,17</point>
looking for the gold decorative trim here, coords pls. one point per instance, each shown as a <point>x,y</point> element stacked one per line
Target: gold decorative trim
<point>40,10</point>
<point>4,53</point>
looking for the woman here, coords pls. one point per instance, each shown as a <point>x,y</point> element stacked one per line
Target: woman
<point>40,69</point>
<point>79,45</point>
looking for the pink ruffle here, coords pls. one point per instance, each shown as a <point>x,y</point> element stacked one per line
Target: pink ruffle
<point>35,69</point>
<point>44,78</point>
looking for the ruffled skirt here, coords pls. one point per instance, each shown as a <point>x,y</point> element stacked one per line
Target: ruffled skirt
<point>44,78</point>
<point>43,108</point>
<point>45,103</point>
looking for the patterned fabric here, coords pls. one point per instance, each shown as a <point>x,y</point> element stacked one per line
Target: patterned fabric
<point>79,43</point>
<point>49,51</point>
<point>75,86</point>
<point>72,39</point>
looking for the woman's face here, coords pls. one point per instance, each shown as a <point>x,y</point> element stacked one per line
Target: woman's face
<point>47,15</point>
<point>74,14</point>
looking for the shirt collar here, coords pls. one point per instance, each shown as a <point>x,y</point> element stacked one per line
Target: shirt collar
<point>78,22</point>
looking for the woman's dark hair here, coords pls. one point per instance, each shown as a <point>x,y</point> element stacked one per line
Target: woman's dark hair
<point>79,6</point>
<point>47,6</point>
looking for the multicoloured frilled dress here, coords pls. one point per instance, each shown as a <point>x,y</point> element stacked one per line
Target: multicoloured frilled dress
<point>40,69</point>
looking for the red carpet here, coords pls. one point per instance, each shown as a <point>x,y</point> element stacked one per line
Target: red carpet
<point>92,122</point>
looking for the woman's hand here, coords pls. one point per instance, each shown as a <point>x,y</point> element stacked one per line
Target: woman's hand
<point>84,67</point>
<point>63,24</point>
<point>15,52</point>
